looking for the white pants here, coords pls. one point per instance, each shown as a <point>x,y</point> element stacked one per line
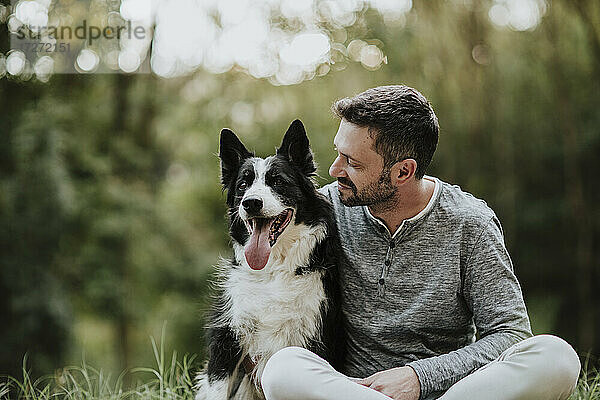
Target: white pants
<point>542,367</point>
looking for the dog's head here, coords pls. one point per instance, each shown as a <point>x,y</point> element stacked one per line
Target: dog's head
<point>265,196</point>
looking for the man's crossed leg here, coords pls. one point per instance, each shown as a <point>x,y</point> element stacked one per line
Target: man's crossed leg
<point>542,367</point>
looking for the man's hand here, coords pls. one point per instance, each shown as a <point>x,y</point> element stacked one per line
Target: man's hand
<point>398,383</point>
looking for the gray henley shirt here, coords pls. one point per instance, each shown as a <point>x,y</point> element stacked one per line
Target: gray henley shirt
<point>420,296</point>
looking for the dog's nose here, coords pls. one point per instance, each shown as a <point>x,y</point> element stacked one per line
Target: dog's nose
<point>252,204</point>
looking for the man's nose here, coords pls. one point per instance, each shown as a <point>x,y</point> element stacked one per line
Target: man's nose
<point>336,169</point>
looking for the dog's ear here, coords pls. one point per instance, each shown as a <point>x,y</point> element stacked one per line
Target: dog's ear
<point>296,149</point>
<point>232,153</point>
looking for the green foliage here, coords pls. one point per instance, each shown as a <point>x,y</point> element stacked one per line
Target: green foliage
<point>112,216</point>
<point>35,311</point>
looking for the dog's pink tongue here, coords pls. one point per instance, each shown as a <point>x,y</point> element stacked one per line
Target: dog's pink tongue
<point>258,248</point>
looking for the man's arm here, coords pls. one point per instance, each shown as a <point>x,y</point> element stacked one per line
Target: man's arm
<point>492,292</point>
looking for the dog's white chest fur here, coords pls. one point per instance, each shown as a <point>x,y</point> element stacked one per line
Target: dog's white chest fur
<point>274,308</point>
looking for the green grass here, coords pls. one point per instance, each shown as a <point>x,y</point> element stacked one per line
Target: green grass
<point>588,386</point>
<point>172,379</point>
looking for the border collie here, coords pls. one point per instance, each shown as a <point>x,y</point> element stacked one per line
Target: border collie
<point>280,289</point>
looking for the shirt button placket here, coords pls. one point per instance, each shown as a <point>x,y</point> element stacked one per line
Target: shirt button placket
<point>384,271</point>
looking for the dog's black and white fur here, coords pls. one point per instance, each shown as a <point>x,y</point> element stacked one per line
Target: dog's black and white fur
<point>281,288</point>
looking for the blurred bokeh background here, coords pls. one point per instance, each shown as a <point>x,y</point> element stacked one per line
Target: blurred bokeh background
<point>111,213</point>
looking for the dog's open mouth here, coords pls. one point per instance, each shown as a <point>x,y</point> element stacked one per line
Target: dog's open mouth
<point>263,235</point>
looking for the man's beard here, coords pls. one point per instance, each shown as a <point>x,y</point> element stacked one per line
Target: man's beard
<point>375,194</point>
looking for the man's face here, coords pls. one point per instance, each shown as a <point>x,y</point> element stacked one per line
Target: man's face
<point>362,180</point>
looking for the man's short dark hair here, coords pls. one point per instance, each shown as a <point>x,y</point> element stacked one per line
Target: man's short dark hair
<point>401,119</point>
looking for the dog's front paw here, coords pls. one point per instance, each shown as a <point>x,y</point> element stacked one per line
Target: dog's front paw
<point>201,387</point>
<point>206,390</point>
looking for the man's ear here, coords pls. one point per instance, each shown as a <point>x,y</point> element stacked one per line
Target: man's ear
<point>232,153</point>
<point>296,149</point>
<point>403,171</point>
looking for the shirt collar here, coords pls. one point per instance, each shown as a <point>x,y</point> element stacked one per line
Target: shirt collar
<point>413,221</point>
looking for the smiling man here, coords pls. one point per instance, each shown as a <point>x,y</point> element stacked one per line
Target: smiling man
<point>433,307</point>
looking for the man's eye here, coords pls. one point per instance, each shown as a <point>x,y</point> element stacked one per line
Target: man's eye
<point>350,163</point>
<point>242,185</point>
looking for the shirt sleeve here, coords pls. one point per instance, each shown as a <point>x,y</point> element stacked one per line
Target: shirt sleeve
<point>493,294</point>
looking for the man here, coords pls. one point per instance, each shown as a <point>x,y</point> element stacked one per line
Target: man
<point>428,270</point>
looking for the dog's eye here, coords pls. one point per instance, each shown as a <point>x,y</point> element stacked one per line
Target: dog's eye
<point>278,181</point>
<point>242,185</point>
